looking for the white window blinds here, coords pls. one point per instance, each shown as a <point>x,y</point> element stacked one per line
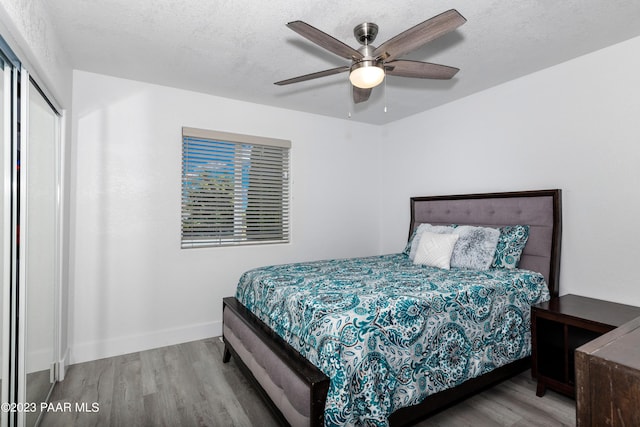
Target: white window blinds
<point>235,189</point>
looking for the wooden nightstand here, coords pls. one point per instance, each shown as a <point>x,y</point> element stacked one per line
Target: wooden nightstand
<point>561,325</point>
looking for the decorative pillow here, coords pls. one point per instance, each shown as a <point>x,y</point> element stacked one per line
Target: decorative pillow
<point>475,248</point>
<point>511,243</point>
<point>439,229</point>
<point>435,249</point>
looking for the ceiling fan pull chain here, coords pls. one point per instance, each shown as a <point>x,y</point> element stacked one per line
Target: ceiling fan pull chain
<point>349,97</point>
<point>385,95</point>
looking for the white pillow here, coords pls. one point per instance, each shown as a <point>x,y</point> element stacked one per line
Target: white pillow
<point>440,229</point>
<point>435,249</point>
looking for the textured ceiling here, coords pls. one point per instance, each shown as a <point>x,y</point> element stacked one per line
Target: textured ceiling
<point>238,48</point>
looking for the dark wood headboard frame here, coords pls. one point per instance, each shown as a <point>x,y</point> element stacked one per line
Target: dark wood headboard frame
<point>540,209</point>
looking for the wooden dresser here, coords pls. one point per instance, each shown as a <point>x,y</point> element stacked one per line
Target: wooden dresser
<point>608,378</point>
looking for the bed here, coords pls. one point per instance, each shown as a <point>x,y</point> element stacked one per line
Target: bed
<point>276,343</point>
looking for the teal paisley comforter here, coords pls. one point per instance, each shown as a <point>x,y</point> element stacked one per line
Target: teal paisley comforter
<point>388,332</point>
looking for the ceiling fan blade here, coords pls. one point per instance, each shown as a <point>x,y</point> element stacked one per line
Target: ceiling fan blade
<point>360,95</point>
<point>324,40</point>
<point>421,70</point>
<point>422,33</point>
<point>313,75</point>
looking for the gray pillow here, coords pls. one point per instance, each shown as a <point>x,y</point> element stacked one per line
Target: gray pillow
<point>475,248</point>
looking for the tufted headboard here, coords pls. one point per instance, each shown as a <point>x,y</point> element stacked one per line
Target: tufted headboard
<point>540,210</point>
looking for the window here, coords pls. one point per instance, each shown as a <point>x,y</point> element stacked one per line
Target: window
<point>235,189</point>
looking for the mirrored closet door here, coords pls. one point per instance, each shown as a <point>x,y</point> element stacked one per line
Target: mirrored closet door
<point>5,225</point>
<point>9,66</point>
<point>2,239</point>
<point>39,265</point>
<point>30,233</point>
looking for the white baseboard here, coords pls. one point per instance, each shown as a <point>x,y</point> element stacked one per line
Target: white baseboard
<point>94,350</point>
<point>62,365</point>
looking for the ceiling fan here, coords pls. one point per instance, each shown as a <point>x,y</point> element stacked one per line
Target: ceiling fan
<point>370,64</point>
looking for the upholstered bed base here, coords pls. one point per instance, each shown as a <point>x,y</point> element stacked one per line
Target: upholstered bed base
<point>295,387</point>
<point>296,390</point>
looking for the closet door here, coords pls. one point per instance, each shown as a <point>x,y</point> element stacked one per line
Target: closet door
<point>30,263</point>
<point>5,230</point>
<point>38,242</point>
<point>9,66</point>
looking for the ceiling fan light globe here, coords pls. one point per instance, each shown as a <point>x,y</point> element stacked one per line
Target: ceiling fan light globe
<point>366,76</point>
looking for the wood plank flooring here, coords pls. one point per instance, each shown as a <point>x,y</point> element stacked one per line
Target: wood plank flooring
<point>188,385</point>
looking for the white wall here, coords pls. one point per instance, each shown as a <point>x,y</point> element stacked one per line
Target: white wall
<point>132,286</point>
<point>575,126</point>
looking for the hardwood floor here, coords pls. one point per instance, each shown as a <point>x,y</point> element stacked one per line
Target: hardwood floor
<point>188,385</point>
<point>510,403</point>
